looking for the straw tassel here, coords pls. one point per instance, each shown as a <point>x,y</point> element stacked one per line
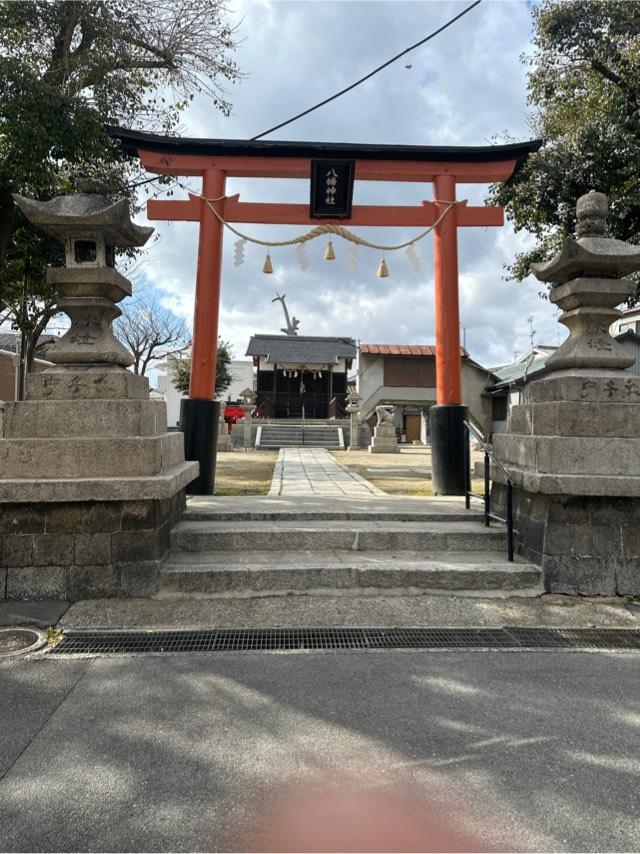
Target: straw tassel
<point>238,250</point>
<point>383,270</point>
<point>329,254</point>
<point>268,266</point>
<point>303,258</point>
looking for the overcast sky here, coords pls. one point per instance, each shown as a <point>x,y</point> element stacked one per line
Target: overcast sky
<point>466,87</point>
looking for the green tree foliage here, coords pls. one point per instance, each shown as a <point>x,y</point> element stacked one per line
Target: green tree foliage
<point>67,69</point>
<point>584,87</point>
<point>181,370</point>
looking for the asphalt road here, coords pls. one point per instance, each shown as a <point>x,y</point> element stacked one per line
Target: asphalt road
<point>349,750</point>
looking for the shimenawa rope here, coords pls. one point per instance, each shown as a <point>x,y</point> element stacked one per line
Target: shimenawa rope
<point>328,228</point>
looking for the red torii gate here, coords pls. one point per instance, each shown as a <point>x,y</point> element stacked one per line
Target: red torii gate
<point>444,167</point>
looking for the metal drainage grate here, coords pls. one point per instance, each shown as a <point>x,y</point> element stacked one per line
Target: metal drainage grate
<point>273,640</point>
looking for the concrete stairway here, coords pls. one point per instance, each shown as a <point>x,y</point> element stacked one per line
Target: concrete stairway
<point>322,551</point>
<point>274,436</point>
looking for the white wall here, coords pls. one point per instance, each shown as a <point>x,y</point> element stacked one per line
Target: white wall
<point>630,322</point>
<point>243,377</point>
<point>241,371</point>
<point>370,376</point>
<point>474,382</point>
<point>169,392</point>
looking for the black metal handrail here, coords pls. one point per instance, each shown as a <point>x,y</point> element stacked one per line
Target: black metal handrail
<point>489,457</point>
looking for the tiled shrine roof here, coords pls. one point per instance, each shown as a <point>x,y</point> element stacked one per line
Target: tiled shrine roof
<point>301,349</point>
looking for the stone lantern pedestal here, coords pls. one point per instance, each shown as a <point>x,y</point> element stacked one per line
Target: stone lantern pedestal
<point>384,433</point>
<point>91,482</point>
<point>573,447</point>
<point>224,439</point>
<point>353,409</point>
<point>248,405</point>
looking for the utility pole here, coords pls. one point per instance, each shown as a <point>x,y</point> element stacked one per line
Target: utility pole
<point>532,331</point>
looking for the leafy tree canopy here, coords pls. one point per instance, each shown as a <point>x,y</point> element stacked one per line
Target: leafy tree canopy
<point>67,70</point>
<point>584,87</point>
<point>181,370</point>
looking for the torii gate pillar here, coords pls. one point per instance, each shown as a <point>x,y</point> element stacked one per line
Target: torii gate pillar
<point>446,418</point>
<point>199,414</point>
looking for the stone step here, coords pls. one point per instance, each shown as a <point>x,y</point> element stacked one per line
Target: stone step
<point>336,572</point>
<point>427,537</point>
<point>276,446</point>
<point>298,431</point>
<point>286,437</point>
<point>207,514</point>
<point>291,436</point>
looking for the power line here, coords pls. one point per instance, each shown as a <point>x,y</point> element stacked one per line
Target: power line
<point>371,73</point>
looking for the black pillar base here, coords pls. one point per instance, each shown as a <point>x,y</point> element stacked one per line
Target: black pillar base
<point>448,476</point>
<point>199,421</point>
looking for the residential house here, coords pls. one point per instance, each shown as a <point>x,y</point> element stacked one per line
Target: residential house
<point>404,376</point>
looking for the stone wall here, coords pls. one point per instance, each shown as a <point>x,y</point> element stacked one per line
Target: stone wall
<point>79,550</point>
<point>586,545</point>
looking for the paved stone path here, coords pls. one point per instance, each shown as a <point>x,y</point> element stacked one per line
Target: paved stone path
<point>314,471</point>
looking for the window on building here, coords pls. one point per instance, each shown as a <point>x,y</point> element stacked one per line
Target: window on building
<point>404,372</point>
<point>499,408</point>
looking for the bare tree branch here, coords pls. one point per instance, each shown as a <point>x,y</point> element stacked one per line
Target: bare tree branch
<point>150,332</point>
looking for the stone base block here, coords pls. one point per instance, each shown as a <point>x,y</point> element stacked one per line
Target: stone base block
<point>224,440</point>
<point>383,446</point>
<point>587,545</point>
<point>49,419</point>
<point>585,385</point>
<point>90,457</point>
<point>384,439</point>
<point>82,550</point>
<point>69,384</point>
<point>570,455</point>
<point>576,419</point>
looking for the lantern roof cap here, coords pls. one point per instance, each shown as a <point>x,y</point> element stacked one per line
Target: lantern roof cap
<point>85,213</point>
<point>591,253</point>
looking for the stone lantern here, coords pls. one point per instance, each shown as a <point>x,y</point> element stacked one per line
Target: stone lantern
<point>89,475</point>
<point>89,287</point>
<point>248,398</point>
<point>573,447</point>
<point>587,282</point>
<point>353,408</point>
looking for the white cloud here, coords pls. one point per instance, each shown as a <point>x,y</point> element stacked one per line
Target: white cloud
<point>464,87</point>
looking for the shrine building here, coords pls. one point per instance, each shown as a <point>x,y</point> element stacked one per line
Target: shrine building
<point>301,375</point>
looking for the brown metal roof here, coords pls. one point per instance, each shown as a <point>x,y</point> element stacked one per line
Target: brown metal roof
<point>402,349</point>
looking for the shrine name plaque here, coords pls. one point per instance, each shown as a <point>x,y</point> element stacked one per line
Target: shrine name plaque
<point>331,189</point>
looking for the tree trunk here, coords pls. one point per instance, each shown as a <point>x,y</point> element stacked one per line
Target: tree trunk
<point>7,218</point>
<point>33,338</point>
